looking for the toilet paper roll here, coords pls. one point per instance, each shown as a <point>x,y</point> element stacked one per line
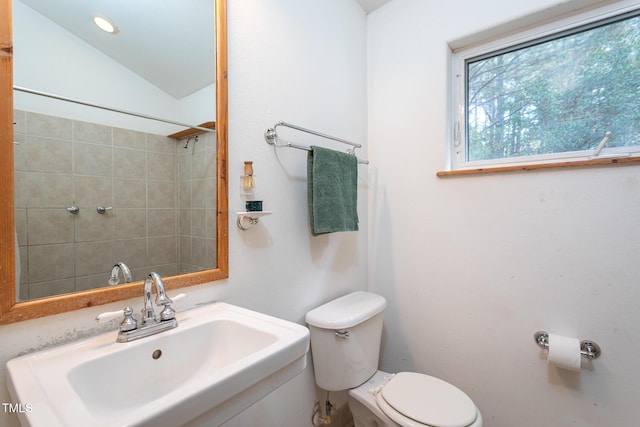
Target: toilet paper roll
<point>564,352</point>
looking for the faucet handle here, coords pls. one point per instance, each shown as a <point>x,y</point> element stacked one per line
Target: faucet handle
<point>168,312</point>
<point>179,297</point>
<point>109,315</point>
<point>129,323</point>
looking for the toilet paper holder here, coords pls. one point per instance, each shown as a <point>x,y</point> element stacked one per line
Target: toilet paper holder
<point>588,348</point>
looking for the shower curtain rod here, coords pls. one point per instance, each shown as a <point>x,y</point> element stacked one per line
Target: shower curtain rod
<point>129,113</point>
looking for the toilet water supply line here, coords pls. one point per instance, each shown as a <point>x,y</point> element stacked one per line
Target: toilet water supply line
<point>319,417</point>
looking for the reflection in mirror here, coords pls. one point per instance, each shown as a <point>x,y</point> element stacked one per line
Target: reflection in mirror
<point>149,193</point>
<point>127,196</point>
<point>157,193</point>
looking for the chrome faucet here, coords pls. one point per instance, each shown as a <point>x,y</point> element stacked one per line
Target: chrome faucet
<point>148,314</point>
<point>114,279</point>
<point>132,329</point>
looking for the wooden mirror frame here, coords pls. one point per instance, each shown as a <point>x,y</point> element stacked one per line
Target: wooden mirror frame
<point>12,311</point>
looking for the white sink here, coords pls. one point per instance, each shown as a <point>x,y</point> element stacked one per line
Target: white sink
<point>217,362</point>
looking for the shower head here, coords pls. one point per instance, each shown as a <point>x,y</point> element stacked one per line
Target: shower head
<point>186,144</point>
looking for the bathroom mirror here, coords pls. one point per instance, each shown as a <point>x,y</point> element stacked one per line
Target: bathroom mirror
<point>12,311</point>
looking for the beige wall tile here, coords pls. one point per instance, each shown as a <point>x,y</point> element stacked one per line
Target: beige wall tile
<point>48,226</point>
<point>24,265</point>
<point>90,226</point>
<point>50,262</point>
<point>165,270</point>
<point>198,222</point>
<point>198,193</point>
<point>94,281</point>
<point>129,163</point>
<point>211,224</point>
<point>184,194</point>
<point>132,252</point>
<point>20,195</point>
<point>162,222</point>
<point>184,166</point>
<point>199,251</point>
<point>162,144</point>
<point>161,194</point>
<point>163,250</point>
<point>93,191</point>
<point>210,140</point>
<point>204,165</point>
<point>129,223</point>
<point>49,155</point>
<point>211,193</point>
<point>49,126</point>
<point>141,273</point>
<point>185,251</point>
<point>212,254</point>
<point>50,288</point>
<point>23,292</point>
<point>92,132</point>
<point>129,139</point>
<point>94,257</point>
<point>92,159</point>
<point>129,193</point>
<point>20,221</point>
<point>19,152</point>
<point>161,166</point>
<point>47,190</point>
<point>202,255</point>
<point>185,222</point>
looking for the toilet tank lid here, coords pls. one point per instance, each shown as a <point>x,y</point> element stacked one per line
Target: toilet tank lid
<point>346,311</point>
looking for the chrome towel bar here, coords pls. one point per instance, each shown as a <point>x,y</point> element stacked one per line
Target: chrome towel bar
<point>271,136</point>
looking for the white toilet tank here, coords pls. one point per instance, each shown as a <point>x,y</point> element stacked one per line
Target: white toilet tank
<point>345,340</point>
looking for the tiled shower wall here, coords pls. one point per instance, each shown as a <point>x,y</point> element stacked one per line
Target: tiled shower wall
<point>163,200</point>
<point>197,201</point>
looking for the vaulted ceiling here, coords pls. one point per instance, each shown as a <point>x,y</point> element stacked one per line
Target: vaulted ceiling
<point>171,46</point>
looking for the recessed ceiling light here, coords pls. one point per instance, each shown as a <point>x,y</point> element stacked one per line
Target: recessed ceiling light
<point>105,25</point>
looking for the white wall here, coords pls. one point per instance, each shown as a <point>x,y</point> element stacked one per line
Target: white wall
<point>300,61</point>
<point>473,266</point>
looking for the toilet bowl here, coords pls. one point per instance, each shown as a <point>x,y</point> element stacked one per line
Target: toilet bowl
<point>412,400</point>
<point>345,347</point>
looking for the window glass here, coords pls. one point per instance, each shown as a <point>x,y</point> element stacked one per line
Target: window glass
<point>558,94</point>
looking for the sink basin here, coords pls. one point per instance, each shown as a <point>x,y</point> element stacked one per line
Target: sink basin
<point>217,362</point>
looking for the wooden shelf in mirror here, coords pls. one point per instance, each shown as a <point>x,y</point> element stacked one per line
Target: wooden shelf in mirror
<point>193,132</point>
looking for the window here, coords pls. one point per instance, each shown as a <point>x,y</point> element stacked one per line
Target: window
<point>562,92</point>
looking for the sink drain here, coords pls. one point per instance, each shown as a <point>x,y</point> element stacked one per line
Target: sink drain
<point>156,354</point>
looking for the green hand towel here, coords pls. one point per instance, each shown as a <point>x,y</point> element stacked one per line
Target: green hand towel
<point>332,185</point>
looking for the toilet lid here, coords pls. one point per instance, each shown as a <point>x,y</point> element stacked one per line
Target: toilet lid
<point>427,400</point>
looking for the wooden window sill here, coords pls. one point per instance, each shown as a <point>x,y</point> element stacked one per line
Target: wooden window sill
<point>594,162</point>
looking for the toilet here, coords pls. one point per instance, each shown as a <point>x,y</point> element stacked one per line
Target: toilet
<point>345,346</point>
